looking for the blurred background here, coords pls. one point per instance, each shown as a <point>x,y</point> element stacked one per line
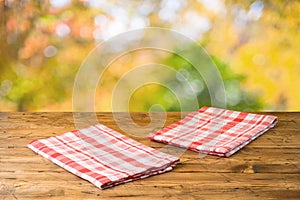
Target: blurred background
<point>255,45</point>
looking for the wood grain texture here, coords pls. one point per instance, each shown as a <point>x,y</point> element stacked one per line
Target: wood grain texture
<point>267,168</point>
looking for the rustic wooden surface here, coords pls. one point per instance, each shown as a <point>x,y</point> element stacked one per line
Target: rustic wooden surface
<point>267,168</point>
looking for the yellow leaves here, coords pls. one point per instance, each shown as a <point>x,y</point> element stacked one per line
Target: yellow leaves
<point>262,44</point>
<point>269,57</point>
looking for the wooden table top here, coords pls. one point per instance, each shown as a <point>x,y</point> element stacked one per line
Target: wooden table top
<point>267,168</point>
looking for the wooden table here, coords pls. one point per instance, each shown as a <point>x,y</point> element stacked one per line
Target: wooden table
<point>267,168</point>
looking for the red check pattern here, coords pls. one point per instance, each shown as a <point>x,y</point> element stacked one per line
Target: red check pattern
<point>103,156</point>
<point>215,131</point>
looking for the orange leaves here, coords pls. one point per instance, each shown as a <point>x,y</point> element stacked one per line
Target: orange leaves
<point>33,45</point>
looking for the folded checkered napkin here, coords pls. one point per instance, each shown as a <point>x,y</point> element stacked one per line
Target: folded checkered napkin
<point>215,131</point>
<point>103,156</point>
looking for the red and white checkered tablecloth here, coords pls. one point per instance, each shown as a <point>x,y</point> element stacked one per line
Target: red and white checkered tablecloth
<point>103,156</point>
<point>215,131</point>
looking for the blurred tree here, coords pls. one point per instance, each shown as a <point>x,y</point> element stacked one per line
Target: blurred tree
<point>39,54</point>
<point>42,44</point>
<point>236,97</point>
<point>261,39</point>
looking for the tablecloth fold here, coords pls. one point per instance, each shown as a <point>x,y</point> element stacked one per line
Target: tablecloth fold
<point>215,131</point>
<point>103,156</point>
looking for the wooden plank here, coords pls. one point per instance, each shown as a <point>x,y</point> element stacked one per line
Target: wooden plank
<point>20,137</point>
<point>192,184</point>
<point>177,178</point>
<point>246,161</point>
<point>139,191</point>
<point>142,134</point>
<point>262,142</point>
<point>267,168</point>
<point>287,121</point>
